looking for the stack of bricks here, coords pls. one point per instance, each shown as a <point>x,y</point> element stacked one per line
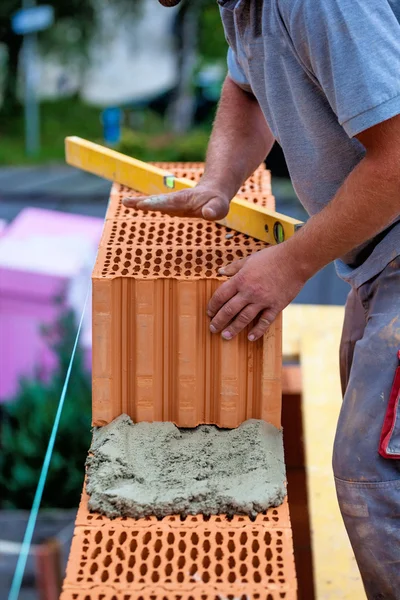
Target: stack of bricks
<point>155,359</point>
<point>153,355</point>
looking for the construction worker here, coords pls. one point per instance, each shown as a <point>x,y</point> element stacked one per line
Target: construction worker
<point>322,77</point>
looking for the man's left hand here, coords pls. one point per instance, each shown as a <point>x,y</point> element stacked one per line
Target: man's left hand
<point>260,287</point>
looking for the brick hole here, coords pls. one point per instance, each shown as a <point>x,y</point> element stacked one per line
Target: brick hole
<point>219,569</point>
<point>131,561</point>
<point>180,577</point>
<point>97,538</point>
<point>95,553</point>
<point>243,570</point>
<point>219,538</point>
<point>268,554</point>
<point>109,545</point>
<point>120,554</point>
<point>158,545</point>
<point>168,570</point>
<point>255,546</point>
<point>107,561</point>
<point>206,562</point>
<point>231,577</point>
<point>219,554</point>
<point>170,554</point>
<point>231,546</point>
<point>93,568</point>
<point>195,538</point>
<point>118,569</point>
<point>156,562</point>
<point>257,577</point>
<point>194,553</point>
<point>143,569</point>
<point>181,562</point>
<point>267,538</point>
<point>193,570</point>
<point>145,553</point>
<point>129,577</point>
<point>155,576</point>
<point>206,546</point>
<point>104,576</point>
<point>206,577</point>
<point>133,545</point>
<point>118,252</point>
<point>124,272</point>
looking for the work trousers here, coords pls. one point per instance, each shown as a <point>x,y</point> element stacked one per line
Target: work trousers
<point>368,484</point>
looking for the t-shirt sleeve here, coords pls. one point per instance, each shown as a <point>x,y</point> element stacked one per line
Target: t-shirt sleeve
<point>236,72</point>
<point>352,49</point>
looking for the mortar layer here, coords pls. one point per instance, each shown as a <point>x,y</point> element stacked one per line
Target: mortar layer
<point>143,469</point>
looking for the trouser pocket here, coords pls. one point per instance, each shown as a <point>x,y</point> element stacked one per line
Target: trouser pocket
<point>389,443</point>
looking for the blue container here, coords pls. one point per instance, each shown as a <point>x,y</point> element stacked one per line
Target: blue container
<point>111,119</point>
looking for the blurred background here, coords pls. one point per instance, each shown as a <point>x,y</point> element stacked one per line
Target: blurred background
<point>146,81</point>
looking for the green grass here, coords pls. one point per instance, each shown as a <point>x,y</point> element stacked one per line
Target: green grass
<point>150,141</point>
<point>58,119</point>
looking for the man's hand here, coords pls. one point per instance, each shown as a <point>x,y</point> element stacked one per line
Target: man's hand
<point>200,201</point>
<point>261,286</point>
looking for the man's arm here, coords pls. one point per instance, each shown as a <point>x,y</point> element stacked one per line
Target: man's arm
<point>239,142</point>
<point>367,202</point>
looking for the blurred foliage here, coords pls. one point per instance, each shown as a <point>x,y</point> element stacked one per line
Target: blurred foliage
<point>75,23</point>
<point>212,43</point>
<point>150,139</point>
<point>153,142</point>
<point>59,118</point>
<point>26,428</point>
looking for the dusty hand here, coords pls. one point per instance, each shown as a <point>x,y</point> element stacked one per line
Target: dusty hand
<point>200,201</point>
<point>261,285</point>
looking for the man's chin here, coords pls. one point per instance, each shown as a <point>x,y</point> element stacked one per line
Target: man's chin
<point>169,2</point>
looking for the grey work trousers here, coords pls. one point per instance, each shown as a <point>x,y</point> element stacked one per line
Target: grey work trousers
<point>368,485</point>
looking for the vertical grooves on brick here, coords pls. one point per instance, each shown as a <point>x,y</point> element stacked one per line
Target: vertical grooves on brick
<point>125,338</point>
<point>272,369</point>
<point>154,356</point>
<point>168,346</point>
<point>116,336</point>
<point>201,351</point>
<point>132,344</point>
<point>188,352</point>
<point>208,391</point>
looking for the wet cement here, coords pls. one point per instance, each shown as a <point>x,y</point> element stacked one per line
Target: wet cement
<point>157,469</point>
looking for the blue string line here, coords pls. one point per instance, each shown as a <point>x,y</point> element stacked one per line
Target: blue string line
<point>26,544</point>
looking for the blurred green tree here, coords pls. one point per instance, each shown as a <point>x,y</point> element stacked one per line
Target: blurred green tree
<point>26,426</point>
<point>75,23</point>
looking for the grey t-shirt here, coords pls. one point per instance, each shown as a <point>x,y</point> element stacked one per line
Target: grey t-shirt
<point>322,72</point>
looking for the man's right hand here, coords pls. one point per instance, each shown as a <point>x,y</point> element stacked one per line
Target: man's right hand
<point>200,201</point>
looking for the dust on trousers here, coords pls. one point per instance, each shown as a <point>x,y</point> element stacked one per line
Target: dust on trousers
<point>366,457</point>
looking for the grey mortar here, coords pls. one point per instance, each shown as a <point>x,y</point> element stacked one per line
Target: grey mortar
<point>157,469</point>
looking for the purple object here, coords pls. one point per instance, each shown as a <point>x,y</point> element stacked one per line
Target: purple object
<point>43,255</point>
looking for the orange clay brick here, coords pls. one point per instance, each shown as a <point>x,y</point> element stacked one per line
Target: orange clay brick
<point>153,355</point>
<point>195,558</point>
